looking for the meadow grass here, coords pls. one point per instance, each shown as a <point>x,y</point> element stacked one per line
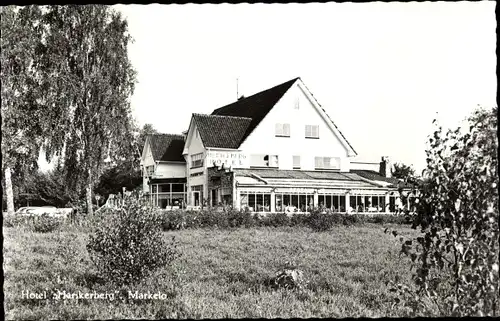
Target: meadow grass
<point>221,274</point>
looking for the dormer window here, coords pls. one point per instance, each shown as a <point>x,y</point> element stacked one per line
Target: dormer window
<point>312,131</point>
<point>282,130</point>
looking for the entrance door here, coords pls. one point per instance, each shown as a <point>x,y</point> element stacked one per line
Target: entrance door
<point>214,197</point>
<point>196,198</point>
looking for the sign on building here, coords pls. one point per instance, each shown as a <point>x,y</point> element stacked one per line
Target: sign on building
<point>234,159</point>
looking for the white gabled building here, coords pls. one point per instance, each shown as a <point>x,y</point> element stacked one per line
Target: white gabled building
<point>274,151</point>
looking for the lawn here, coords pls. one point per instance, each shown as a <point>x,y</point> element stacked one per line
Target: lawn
<point>221,274</point>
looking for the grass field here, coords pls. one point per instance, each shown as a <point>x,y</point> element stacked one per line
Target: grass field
<point>221,274</point>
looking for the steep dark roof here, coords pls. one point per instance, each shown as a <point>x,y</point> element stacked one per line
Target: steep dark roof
<point>255,107</point>
<point>167,147</point>
<point>375,176</point>
<point>221,131</point>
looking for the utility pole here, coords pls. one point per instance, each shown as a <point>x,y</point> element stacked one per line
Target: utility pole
<point>237,96</point>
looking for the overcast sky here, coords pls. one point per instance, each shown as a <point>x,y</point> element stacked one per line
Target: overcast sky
<point>380,70</point>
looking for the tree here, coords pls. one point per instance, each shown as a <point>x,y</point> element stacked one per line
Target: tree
<point>88,60</point>
<point>24,120</point>
<point>456,259</point>
<point>126,173</point>
<point>402,171</point>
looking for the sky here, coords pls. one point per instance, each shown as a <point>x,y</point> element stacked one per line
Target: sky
<point>382,71</point>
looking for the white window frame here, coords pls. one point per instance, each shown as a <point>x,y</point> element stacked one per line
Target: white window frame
<point>312,131</point>
<point>296,162</point>
<point>271,159</point>
<point>282,130</point>
<point>322,162</point>
<point>197,160</point>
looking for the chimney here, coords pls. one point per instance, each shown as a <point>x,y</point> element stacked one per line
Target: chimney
<point>385,167</point>
<point>185,133</point>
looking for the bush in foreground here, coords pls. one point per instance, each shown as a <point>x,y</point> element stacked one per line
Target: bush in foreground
<point>127,245</point>
<point>456,261</point>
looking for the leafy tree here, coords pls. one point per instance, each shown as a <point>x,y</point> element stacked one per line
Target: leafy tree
<point>402,171</point>
<point>125,173</point>
<point>146,130</point>
<point>24,119</point>
<point>93,78</point>
<point>456,259</point>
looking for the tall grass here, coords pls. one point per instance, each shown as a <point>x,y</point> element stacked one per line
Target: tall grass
<point>221,274</point>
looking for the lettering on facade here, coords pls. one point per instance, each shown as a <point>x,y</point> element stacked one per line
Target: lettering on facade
<point>226,158</point>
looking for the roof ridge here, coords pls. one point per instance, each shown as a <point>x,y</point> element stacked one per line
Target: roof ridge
<point>223,116</point>
<point>166,134</point>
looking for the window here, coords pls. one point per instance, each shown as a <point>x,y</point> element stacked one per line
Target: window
<point>296,162</point>
<point>283,130</point>
<point>197,160</point>
<point>263,160</point>
<point>312,131</point>
<point>327,162</point>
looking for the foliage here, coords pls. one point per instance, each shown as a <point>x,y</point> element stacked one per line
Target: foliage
<point>48,187</point>
<point>25,125</point>
<point>456,260</point>
<point>316,219</point>
<point>276,220</point>
<point>322,221</point>
<point>116,177</point>
<point>127,244</point>
<point>402,171</point>
<point>91,76</point>
<point>34,223</point>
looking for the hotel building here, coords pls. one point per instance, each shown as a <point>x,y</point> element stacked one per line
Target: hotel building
<point>274,151</point>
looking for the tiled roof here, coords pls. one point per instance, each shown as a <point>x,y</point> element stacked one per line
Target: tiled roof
<point>167,147</point>
<point>375,176</point>
<point>221,131</point>
<point>255,107</point>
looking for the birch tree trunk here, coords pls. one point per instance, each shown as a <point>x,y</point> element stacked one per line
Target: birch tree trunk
<point>8,192</point>
<point>90,209</point>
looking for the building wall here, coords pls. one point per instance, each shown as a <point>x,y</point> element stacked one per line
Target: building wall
<point>195,146</point>
<point>146,161</point>
<point>328,144</point>
<point>366,166</point>
<point>170,170</point>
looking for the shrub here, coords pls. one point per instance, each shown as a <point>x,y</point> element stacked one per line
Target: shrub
<point>457,258</point>
<point>127,244</point>
<point>44,223</point>
<point>276,220</point>
<point>172,220</point>
<point>354,219</point>
<point>321,221</point>
<point>13,220</point>
<point>299,220</point>
<point>39,224</point>
<point>237,218</point>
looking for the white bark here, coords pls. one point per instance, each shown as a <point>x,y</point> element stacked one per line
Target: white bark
<point>90,209</point>
<point>9,192</point>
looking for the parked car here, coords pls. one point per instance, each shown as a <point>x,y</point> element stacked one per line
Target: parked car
<point>51,211</point>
